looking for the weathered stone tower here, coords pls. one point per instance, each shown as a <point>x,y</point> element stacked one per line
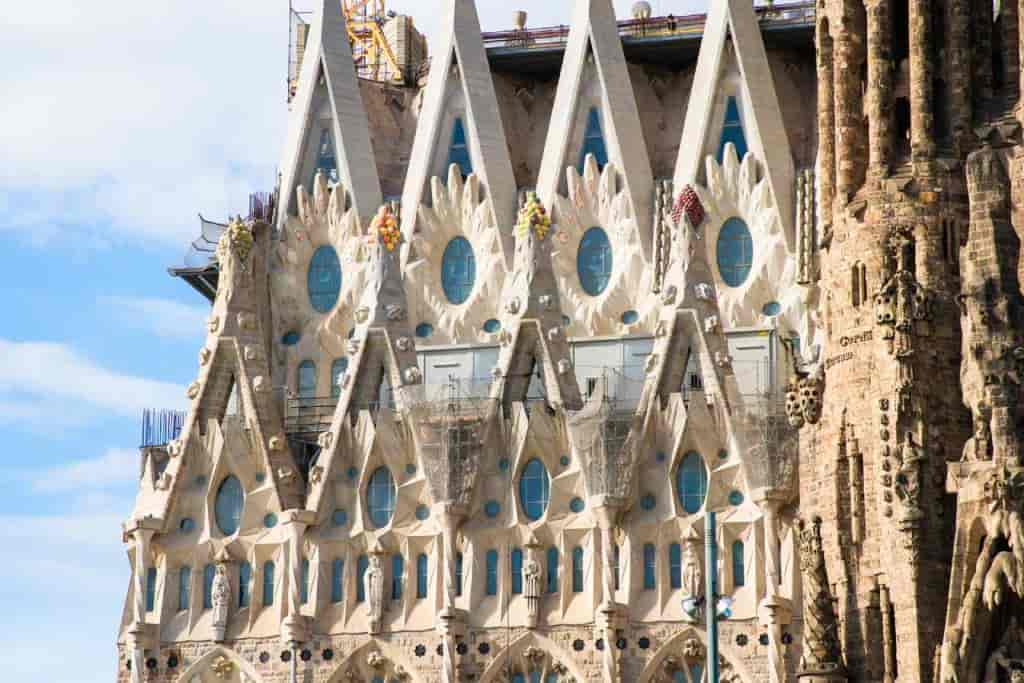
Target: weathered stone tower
<point>905,90</point>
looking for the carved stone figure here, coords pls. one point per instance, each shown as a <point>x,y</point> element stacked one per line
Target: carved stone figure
<point>908,479</point>
<point>374,587</point>
<point>221,597</point>
<point>693,580</point>
<point>532,588</point>
<point>979,446</point>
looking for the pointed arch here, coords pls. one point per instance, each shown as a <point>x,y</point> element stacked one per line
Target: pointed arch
<point>532,652</point>
<point>211,658</point>
<point>376,658</point>
<point>689,638</point>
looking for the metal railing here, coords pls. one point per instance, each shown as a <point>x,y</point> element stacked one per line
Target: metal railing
<point>160,427</point>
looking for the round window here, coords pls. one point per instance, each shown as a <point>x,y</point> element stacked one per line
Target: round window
<point>227,507</point>
<point>380,497</point>
<point>534,489</point>
<point>735,252</point>
<point>458,270</point>
<point>594,261</point>
<point>324,279</point>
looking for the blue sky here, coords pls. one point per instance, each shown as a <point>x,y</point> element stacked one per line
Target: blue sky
<point>121,121</point>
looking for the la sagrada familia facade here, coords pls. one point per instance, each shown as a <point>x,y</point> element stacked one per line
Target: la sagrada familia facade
<point>505,338</point>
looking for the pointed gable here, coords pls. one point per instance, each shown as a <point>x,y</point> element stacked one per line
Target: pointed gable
<point>328,129</point>
<point>733,100</point>
<point>461,124</point>
<point>595,113</point>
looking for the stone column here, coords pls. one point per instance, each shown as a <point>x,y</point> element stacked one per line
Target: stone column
<point>608,613</point>
<point>294,629</point>
<point>449,625</point>
<point>879,94</point>
<point>141,533</point>
<point>826,126</point>
<point>981,47</point>
<point>922,143</point>
<point>888,645</point>
<point>849,112</point>
<point>960,81</point>
<point>774,612</point>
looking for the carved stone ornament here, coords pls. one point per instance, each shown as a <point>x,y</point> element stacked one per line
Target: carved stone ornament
<point>564,366</point>
<point>276,443</point>
<point>260,384</point>
<point>513,306</point>
<point>668,297</point>
<point>803,399</point>
<point>325,440</point>
<point>251,353</point>
<point>908,478</point>
<point>711,324</point>
<point>174,448</point>
<point>223,668</point>
<point>531,580</point>
<point>213,324</point>
<point>535,655</point>
<point>362,314</point>
<point>652,363</point>
<point>546,301</point>
<point>163,483</point>
<point>285,474</point>
<point>221,598</point>
<point>403,344</point>
<point>204,356</point>
<point>376,660</point>
<point>374,587</point>
<point>394,312</point>
<point>693,649</point>
<point>353,346</point>
<point>722,359</point>
<point>555,333</point>
<point>704,291</point>
<point>821,650</point>
<point>246,321</point>
<point>193,390</point>
<point>316,475</point>
<point>413,375</point>
<point>979,446</point>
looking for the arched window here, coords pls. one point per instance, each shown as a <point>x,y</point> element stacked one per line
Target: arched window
<point>649,567</point>
<point>615,566</point>
<point>326,161</point>
<point>675,566</point>
<point>337,580</point>
<point>859,285</point>
<point>397,576</point>
<point>593,142</point>
<point>184,588</point>
<point>380,497</point>
<point>735,252</point>
<point>692,483</point>
<point>306,379</point>
<point>362,564</point>
<point>244,578</point>
<point>268,584</point>
<point>422,576</point>
<point>458,150</point>
<point>516,560</point>
<point>577,570</point>
<point>304,583</point>
<point>594,261</point>
<point>150,589</point>
<point>323,280</point>
<point>534,489</point>
<point>732,131</point>
<point>458,270</point>
<point>552,569</point>
<point>458,575</point>
<point>209,572</point>
<point>739,574</point>
<point>228,504</point>
<point>338,368</point>
<point>492,572</point>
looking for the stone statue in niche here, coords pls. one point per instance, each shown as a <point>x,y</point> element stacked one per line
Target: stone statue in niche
<point>908,479</point>
<point>979,446</point>
<point>693,580</point>
<point>221,598</point>
<point>531,588</point>
<point>374,587</point>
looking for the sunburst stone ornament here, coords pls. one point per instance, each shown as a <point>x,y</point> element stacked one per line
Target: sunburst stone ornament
<point>533,216</point>
<point>385,225</point>
<point>238,238</point>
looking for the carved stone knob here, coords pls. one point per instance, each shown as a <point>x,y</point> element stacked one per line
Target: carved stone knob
<point>413,375</point>
<point>204,356</point>
<point>213,324</point>
<point>193,390</point>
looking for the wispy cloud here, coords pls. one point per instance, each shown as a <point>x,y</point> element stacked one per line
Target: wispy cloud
<point>165,318</point>
<point>115,468</point>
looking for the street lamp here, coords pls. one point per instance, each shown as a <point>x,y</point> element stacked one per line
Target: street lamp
<point>715,606</point>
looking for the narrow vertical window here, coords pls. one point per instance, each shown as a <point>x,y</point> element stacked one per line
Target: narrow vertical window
<point>326,161</point>
<point>307,379</point>
<point>577,570</point>
<point>227,506</point>
<point>208,573</point>
<point>362,564</point>
<point>593,142</point>
<point>552,569</point>
<point>492,572</point>
<point>337,580</point>
<point>458,575</point>
<point>458,150</point>
<point>397,576</point>
<point>244,578</point>
<point>422,576</point>
<point>184,588</point>
<point>150,588</point>
<point>692,482</point>
<point>615,566</point>
<point>732,131</point>
<point>649,567</point>
<point>739,574</point>
<point>304,585</point>
<point>516,560</point>
<point>380,497</point>
<point>534,489</point>
<point>675,566</point>
<point>268,584</point>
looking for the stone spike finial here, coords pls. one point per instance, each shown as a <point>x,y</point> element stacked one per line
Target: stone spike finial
<point>822,656</point>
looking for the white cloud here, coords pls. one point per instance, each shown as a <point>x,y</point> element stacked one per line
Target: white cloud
<point>166,318</point>
<point>116,467</point>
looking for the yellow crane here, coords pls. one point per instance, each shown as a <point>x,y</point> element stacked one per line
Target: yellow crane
<point>371,52</point>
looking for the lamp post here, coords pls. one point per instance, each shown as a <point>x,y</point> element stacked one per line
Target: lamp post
<point>715,606</point>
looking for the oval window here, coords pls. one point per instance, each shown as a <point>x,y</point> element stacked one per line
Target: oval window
<point>594,261</point>
<point>324,279</point>
<point>458,270</point>
<point>380,497</point>
<point>534,489</point>
<point>227,507</point>
<point>735,252</point>
<point>692,483</point>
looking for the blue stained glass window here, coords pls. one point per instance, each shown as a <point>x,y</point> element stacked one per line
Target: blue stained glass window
<point>692,482</point>
<point>492,508</point>
<point>422,513</point>
<point>458,150</point>
<point>732,131</point>
<point>362,564</point>
<point>615,566</point>
<point>337,580</point>
<point>380,497</point>
<point>377,679</point>
<point>675,566</point>
<point>397,576</point>
<point>307,379</point>
<point>679,677</point>
<point>518,678</point>
<point>535,676</point>
<point>422,576</point>
<point>270,520</point>
<point>324,279</point>
<point>534,489</point>
<point>209,572</point>
<point>339,518</point>
<point>493,325</point>
<point>458,574</point>
<point>244,578</point>
<point>735,252</point>
<point>304,582</point>
<point>326,161</point>
<point>735,498</point>
<point>696,673</point>
<point>458,270</point>
<point>593,142</point>
<point>552,569</point>
<point>492,572</point>
<point>150,588</point>
<point>268,583</point>
<point>551,678</point>
<point>739,574</point>
<point>227,506</point>
<point>424,330</point>
<point>772,309</point>
<point>576,505</point>
<point>338,368</point>
<point>649,567</point>
<point>291,338</point>
<point>516,561</point>
<point>577,570</point>
<point>630,317</point>
<point>594,261</point>
<point>184,588</point>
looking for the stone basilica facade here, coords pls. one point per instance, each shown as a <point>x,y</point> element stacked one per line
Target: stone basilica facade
<point>475,377</point>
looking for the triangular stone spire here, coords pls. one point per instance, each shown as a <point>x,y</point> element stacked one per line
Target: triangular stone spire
<point>533,331</point>
<point>461,123</point>
<point>757,105</point>
<point>328,85</point>
<point>595,97</point>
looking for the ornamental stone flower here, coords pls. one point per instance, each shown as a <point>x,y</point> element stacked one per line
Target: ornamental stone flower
<point>237,237</point>
<point>533,217</point>
<point>385,226</point>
